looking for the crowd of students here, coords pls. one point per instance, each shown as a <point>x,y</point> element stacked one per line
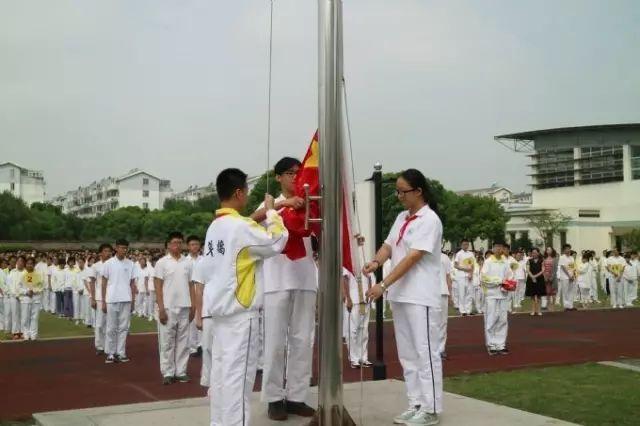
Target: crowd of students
<point>246,298</point>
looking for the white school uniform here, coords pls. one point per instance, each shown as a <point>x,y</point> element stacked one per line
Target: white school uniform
<point>173,337</point>
<point>290,288</point>
<point>232,274</point>
<point>52,293</point>
<point>13,284</point>
<point>464,280</point>
<point>79,307</point>
<point>30,305</point>
<point>151,292</point>
<point>519,274</point>
<point>630,278</point>
<point>583,281</point>
<point>358,338</point>
<point>445,271</point>
<point>494,272</point>
<point>566,281</point>
<point>119,275</point>
<point>3,297</point>
<point>616,266</point>
<point>478,291</point>
<point>416,301</point>
<point>100,322</point>
<point>42,269</point>
<point>195,335</point>
<point>593,280</point>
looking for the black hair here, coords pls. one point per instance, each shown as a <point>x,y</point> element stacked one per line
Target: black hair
<point>416,180</point>
<point>536,249</point>
<point>175,234</point>
<point>33,259</point>
<point>464,240</point>
<point>122,242</point>
<point>71,259</point>
<point>193,238</point>
<point>499,243</point>
<point>229,181</point>
<point>566,246</point>
<point>285,164</point>
<point>104,246</point>
<point>24,259</point>
<point>61,261</point>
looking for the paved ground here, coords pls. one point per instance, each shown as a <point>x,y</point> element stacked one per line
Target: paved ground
<point>65,374</point>
<point>383,400</point>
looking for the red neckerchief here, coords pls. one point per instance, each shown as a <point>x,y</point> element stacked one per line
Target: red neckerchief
<point>406,223</point>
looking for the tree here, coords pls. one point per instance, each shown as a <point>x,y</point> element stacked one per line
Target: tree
<point>548,224</point>
<point>522,242</point>
<point>631,239</point>
<point>257,193</point>
<point>14,216</point>
<point>473,217</point>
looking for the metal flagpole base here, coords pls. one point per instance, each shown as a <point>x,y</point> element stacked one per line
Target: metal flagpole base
<point>346,418</point>
<point>379,370</point>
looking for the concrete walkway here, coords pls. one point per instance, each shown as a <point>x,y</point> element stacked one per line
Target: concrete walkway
<point>382,400</point>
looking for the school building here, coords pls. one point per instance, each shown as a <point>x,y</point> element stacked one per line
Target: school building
<point>590,174</point>
<point>23,183</point>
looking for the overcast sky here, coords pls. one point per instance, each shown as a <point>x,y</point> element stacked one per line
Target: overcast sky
<point>93,88</point>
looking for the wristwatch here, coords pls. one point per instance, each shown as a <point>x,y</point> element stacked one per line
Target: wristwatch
<point>384,286</point>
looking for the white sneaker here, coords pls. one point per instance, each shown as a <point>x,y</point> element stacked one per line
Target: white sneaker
<point>422,418</point>
<point>406,416</point>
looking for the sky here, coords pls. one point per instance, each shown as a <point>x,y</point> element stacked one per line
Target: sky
<point>93,88</point>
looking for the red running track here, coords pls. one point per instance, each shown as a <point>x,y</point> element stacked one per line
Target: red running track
<point>65,374</point>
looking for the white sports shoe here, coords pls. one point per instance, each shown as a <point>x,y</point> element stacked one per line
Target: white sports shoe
<point>423,418</point>
<point>404,417</point>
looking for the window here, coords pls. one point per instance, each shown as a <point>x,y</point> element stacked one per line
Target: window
<point>145,181</point>
<point>145,193</point>
<point>12,173</point>
<point>145,206</point>
<point>553,168</point>
<point>13,185</point>
<point>601,164</point>
<point>588,213</point>
<point>635,161</point>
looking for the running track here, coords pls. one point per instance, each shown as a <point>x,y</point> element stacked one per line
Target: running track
<point>65,374</point>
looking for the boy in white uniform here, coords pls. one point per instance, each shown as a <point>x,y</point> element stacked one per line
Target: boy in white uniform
<point>78,291</point>
<point>97,302</point>
<point>70,280</point>
<point>3,291</point>
<point>583,279</point>
<point>634,274</point>
<point>43,269</point>
<point>57,285</point>
<point>13,287</point>
<point>31,286</point>
<point>118,293</point>
<point>495,270</point>
<point>463,264</point>
<point>520,275</point>
<point>195,336</point>
<point>445,289</point>
<point>89,312</point>
<point>567,278</point>
<point>593,278</point>
<point>232,269</point>
<point>615,265</point>
<point>53,299</point>
<point>176,308</point>
<point>141,287</point>
<point>289,313</point>
<point>358,318</point>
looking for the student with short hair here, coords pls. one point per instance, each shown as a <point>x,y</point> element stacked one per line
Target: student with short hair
<point>232,275</point>
<point>615,267</point>
<point>175,298</point>
<point>567,278</point>
<point>495,271</point>
<point>97,301</point>
<point>3,292</point>
<point>58,276</point>
<point>463,265</point>
<point>13,291</point>
<point>31,287</point>
<point>42,269</point>
<point>118,294</point>
<point>195,336</point>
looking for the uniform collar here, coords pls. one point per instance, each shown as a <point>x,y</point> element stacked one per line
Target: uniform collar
<point>227,211</point>
<point>420,212</point>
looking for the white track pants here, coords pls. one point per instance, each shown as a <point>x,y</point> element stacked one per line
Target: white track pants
<point>89,313</point>
<point>518,296</point>
<point>568,290</point>
<point>418,340</point>
<point>173,343</point>
<point>585,295</point>
<point>233,369</point>
<point>478,298</point>
<point>118,321</point>
<point>194,337</point>
<point>6,314</point>
<point>78,306</point>
<point>30,313</point>
<point>289,318</point>
<point>617,288</point>
<point>465,296</point>
<point>45,299</point>
<point>207,347</point>
<point>496,323</point>
<point>631,291</point>
<point>151,303</point>
<point>444,319</point>
<point>455,294</point>
<point>15,315</point>
<point>100,326</point>
<point>52,302</point>
<point>358,339</point>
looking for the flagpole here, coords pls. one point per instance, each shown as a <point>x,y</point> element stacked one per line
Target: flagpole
<point>330,397</point>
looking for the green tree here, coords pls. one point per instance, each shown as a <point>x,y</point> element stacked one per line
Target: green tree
<point>473,217</point>
<point>14,217</point>
<point>256,196</point>
<point>548,224</point>
<point>522,242</point>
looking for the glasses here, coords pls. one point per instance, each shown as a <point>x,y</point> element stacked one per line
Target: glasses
<point>401,192</point>
<point>291,173</point>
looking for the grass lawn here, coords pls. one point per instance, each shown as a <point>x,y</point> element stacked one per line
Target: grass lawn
<point>52,326</point>
<point>588,394</point>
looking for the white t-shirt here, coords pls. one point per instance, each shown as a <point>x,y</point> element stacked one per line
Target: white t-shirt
<point>494,272</point>
<point>583,271</point>
<point>569,264</point>
<point>464,259</point>
<point>445,268</point>
<point>150,271</point>
<point>282,273</point>
<point>57,279</point>
<point>97,275</point>
<point>421,284</point>
<point>520,272</point>
<point>119,274</point>
<point>176,277</point>
<point>42,269</point>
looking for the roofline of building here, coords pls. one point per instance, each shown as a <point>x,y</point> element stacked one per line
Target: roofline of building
<point>530,135</point>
